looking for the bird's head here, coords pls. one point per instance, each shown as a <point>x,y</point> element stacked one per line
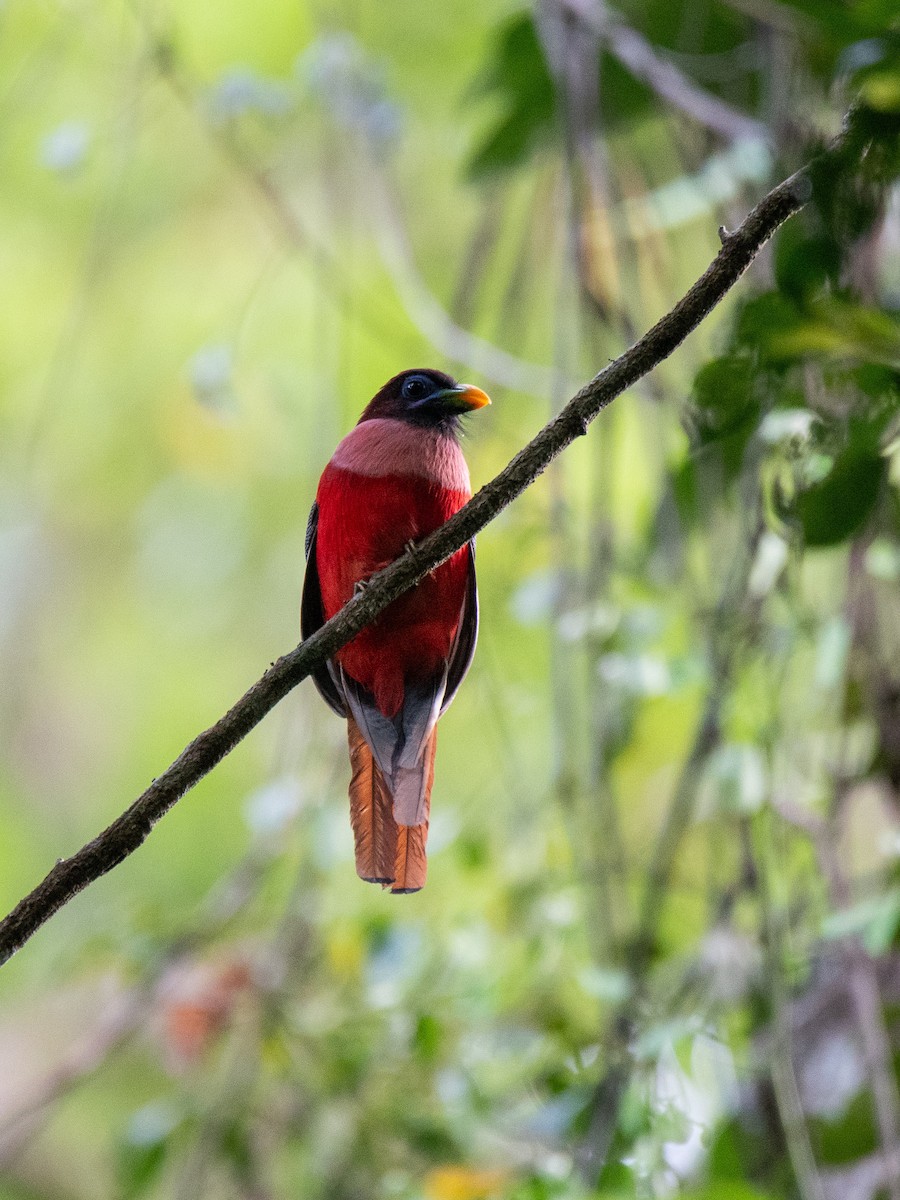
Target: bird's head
<point>427,398</point>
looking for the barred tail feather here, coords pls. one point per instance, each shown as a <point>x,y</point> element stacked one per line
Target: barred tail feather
<point>371,814</point>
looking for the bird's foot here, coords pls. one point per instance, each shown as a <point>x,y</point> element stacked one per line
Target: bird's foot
<point>409,547</point>
<point>360,586</point>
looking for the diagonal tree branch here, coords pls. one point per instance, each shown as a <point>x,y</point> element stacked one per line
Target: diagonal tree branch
<point>71,875</point>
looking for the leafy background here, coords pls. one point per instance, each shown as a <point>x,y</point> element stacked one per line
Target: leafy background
<point>657,950</point>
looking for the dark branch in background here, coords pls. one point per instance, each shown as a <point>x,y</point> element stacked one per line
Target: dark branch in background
<point>660,74</point>
<point>128,831</point>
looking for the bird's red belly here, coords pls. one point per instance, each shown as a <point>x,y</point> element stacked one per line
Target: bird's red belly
<point>365,522</point>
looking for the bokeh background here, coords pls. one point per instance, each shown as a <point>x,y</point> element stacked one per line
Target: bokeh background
<point>656,953</point>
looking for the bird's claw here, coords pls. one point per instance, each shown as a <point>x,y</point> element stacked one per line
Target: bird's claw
<point>408,549</point>
<point>360,586</point>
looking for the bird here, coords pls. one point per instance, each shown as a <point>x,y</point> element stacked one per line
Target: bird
<point>396,476</point>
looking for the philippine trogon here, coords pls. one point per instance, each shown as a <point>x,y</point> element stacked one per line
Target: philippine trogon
<point>394,478</point>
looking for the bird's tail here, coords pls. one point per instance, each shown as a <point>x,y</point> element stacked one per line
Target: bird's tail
<point>371,813</point>
<point>386,853</point>
<point>411,866</point>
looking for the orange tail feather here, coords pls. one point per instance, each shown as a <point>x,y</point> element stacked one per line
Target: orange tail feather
<point>411,866</point>
<point>371,814</point>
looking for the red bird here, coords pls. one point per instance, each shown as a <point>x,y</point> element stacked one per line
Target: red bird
<point>395,477</point>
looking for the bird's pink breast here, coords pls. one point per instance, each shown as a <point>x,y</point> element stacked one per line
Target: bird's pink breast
<point>383,446</point>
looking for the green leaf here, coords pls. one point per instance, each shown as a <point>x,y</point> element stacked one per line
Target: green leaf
<point>763,318</point>
<point>878,78</point>
<point>428,1037</point>
<point>735,780</point>
<point>835,328</point>
<point>730,1189</point>
<point>879,383</point>
<point>847,1139</point>
<point>839,23</point>
<point>139,1166</point>
<point>849,191</point>
<point>721,418</point>
<point>235,1144</point>
<point>725,1155</point>
<point>875,919</point>
<point>724,396</point>
<point>833,510</point>
<point>143,1150</point>
<point>518,78</point>
<point>883,559</point>
<point>805,261</point>
<point>623,98</point>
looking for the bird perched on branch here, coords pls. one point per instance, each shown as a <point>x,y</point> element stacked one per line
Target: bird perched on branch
<point>395,477</point>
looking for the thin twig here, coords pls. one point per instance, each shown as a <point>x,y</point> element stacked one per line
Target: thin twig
<point>428,314</point>
<point>128,831</point>
<point>781,1060</point>
<point>860,974</point>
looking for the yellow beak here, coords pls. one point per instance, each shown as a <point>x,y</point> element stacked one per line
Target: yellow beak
<point>469,397</point>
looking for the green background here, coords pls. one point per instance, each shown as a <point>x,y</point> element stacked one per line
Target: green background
<point>222,227</point>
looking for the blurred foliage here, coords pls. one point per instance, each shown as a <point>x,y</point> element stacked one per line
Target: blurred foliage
<point>658,950</point>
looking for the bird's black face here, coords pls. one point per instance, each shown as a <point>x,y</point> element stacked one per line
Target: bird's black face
<point>428,398</point>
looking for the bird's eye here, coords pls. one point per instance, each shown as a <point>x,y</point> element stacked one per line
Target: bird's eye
<point>416,388</point>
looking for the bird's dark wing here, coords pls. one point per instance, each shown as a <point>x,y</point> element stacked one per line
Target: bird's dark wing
<point>312,525</point>
<point>312,616</point>
<point>463,649</point>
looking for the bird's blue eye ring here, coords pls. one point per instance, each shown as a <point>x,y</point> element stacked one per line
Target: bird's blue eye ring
<point>417,387</point>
